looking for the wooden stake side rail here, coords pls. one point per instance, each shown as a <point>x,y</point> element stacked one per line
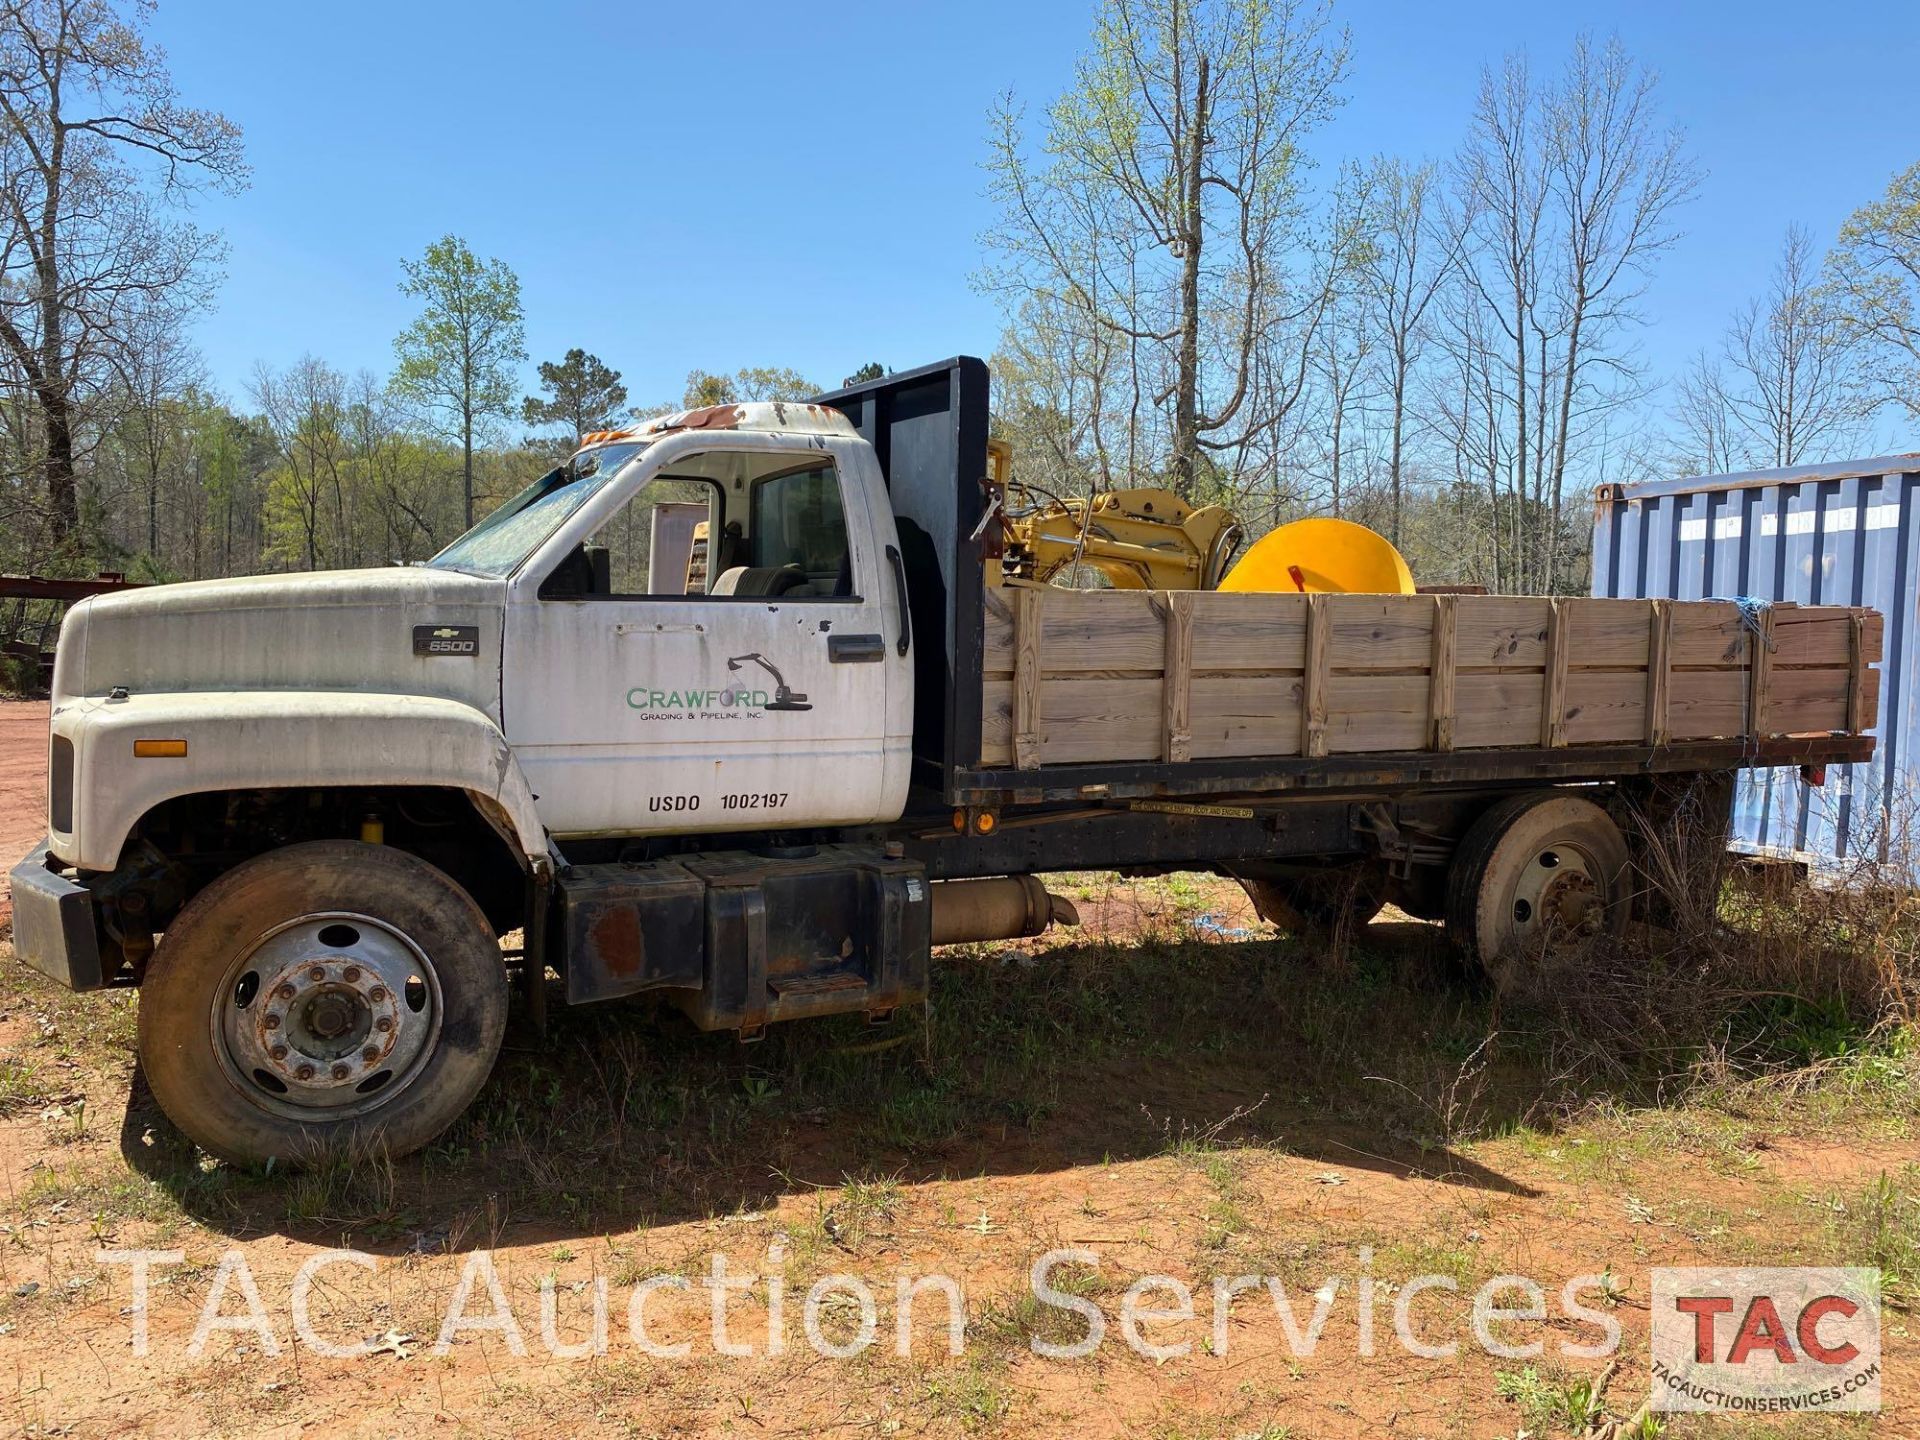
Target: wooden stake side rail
<point>1088,677</point>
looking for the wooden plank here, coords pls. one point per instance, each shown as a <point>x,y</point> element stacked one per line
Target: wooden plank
<point>1606,634</point>
<point>1606,706</point>
<point>1856,671</point>
<point>1553,692</point>
<point>1507,631</point>
<point>1319,660</point>
<point>1084,719</point>
<point>1819,634</point>
<point>1817,701</point>
<point>1093,631</point>
<point>1659,671</point>
<point>1029,622</point>
<point>996,644</point>
<point>1249,632</point>
<point>1440,674</point>
<point>1708,632</point>
<point>1496,707</point>
<point>1245,715</point>
<point>1176,742</point>
<point>1706,704</point>
<point>1371,713</point>
<point>996,723</point>
<point>1379,632</point>
<point>1759,667</point>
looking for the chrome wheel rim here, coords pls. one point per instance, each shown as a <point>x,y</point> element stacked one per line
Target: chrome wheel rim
<point>327,1017</point>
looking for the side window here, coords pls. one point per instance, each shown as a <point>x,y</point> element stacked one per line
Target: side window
<point>796,524</point>
<point>654,545</point>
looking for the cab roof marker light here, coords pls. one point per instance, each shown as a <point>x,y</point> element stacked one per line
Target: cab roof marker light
<point>159,749</point>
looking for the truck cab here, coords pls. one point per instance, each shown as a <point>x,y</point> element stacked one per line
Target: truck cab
<point>644,693</point>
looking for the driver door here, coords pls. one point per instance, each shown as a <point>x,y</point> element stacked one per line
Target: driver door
<point>710,652</point>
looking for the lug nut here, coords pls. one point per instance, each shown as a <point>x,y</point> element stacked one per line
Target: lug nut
<point>272,1022</point>
<point>383,1024</point>
<point>317,974</point>
<point>340,1072</point>
<point>350,974</point>
<point>377,994</point>
<point>286,992</point>
<point>305,1072</point>
<point>279,1052</point>
<point>370,1054</point>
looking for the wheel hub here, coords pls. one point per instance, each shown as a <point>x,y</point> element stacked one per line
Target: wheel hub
<point>330,1012</point>
<point>1557,892</point>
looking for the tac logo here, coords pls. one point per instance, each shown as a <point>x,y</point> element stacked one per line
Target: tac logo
<point>1767,1341</point>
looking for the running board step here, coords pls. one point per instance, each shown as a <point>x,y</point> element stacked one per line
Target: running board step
<point>827,982</point>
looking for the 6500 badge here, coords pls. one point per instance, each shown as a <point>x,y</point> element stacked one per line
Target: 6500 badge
<point>446,639</point>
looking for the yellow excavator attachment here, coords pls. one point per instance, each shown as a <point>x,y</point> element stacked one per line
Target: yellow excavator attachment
<point>1149,539</point>
<point>1315,557</point>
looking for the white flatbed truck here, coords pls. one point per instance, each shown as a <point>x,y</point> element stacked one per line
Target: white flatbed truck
<point>763,767</point>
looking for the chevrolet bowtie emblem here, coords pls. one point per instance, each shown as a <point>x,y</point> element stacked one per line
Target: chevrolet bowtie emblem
<point>445,632</point>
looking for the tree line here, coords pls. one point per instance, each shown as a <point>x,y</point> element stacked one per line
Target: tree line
<point>1444,347</point>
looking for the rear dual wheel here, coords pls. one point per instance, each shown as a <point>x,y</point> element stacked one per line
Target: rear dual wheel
<point>1536,872</point>
<point>326,995</point>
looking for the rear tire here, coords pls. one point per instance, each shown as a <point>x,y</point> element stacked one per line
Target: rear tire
<point>328,995</point>
<point>1536,871</point>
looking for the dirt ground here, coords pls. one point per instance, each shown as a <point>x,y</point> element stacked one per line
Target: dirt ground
<point>23,783</point>
<point>1174,1089</point>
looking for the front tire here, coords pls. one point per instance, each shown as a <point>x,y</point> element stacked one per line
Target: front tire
<point>330,994</point>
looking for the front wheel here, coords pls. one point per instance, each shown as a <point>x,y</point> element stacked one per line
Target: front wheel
<point>327,994</point>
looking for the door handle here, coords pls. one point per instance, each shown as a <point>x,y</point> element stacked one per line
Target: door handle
<point>855,649</point>
<point>900,582</point>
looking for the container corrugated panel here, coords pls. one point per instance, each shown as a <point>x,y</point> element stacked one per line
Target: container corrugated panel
<point>1844,534</point>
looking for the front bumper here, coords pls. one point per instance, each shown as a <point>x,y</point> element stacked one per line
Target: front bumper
<point>54,929</point>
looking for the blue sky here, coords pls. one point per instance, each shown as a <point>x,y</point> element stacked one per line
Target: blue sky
<point>730,185</point>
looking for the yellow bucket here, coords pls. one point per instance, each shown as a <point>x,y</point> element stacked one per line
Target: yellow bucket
<point>1311,557</point>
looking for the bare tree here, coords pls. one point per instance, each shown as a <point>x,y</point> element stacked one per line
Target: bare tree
<point>1568,193</point>
<point>89,123</point>
<point>1795,359</point>
<point>1166,207</point>
<point>157,367</point>
<point>1874,283</point>
<point>1409,259</point>
<point>306,410</point>
<point>1703,417</point>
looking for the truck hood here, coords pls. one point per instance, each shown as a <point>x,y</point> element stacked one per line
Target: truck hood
<point>343,630</point>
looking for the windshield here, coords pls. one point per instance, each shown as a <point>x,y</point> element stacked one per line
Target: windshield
<point>500,542</point>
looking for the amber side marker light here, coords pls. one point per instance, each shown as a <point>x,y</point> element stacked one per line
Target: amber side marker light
<point>159,749</point>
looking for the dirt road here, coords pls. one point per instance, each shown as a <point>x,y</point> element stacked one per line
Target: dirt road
<point>23,783</point>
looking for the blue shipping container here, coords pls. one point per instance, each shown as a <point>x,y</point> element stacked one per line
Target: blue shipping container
<point>1844,534</point>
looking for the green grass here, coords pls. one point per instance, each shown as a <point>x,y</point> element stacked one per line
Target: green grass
<point>1551,1398</point>
<point>1212,1052</point>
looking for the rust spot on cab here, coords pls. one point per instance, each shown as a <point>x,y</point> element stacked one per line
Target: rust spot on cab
<point>711,417</point>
